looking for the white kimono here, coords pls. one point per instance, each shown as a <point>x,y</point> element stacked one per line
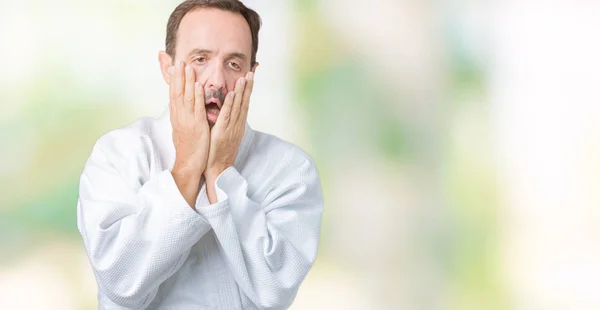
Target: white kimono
<point>150,250</point>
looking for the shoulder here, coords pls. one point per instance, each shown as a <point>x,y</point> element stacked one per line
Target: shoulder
<point>280,172</point>
<point>277,149</point>
<point>129,152</point>
<point>131,148</point>
<point>131,138</point>
<point>279,156</point>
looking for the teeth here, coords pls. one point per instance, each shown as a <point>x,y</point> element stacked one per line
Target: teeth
<point>212,110</point>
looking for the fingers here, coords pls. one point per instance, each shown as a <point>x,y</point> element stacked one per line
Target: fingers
<point>172,107</point>
<point>178,88</point>
<point>188,95</point>
<point>178,82</point>
<point>199,108</point>
<point>237,102</point>
<point>246,99</point>
<point>225,113</point>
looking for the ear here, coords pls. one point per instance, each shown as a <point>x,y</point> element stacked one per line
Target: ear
<point>165,61</point>
<point>254,67</point>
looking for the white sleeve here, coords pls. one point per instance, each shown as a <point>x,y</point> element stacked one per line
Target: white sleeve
<point>269,248</point>
<point>135,235</point>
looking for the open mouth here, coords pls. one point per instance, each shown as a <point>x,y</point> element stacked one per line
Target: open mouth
<point>212,110</point>
<point>213,104</point>
<point>213,100</point>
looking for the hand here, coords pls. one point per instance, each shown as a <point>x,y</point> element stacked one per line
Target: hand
<point>191,134</point>
<point>227,133</point>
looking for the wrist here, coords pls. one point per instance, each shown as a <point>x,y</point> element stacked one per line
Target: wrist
<point>213,173</point>
<point>187,172</point>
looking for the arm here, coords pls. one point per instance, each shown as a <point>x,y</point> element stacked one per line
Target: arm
<point>135,235</point>
<point>138,235</point>
<point>271,246</point>
<point>187,182</point>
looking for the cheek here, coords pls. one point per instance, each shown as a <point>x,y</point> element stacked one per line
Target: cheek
<point>232,78</point>
<point>199,73</point>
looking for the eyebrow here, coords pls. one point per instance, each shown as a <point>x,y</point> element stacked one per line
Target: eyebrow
<point>230,55</point>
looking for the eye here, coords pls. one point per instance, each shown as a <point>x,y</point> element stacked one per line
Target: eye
<point>200,60</point>
<point>234,65</point>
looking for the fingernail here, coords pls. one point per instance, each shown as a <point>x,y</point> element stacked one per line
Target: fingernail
<point>243,81</point>
<point>197,84</point>
<point>232,94</point>
<point>188,69</point>
<point>250,75</point>
<point>171,69</point>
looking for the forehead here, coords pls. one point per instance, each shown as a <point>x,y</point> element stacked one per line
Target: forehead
<point>214,29</point>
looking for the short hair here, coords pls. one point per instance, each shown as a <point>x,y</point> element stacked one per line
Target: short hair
<point>234,6</point>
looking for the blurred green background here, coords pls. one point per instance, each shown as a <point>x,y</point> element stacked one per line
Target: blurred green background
<point>457,143</point>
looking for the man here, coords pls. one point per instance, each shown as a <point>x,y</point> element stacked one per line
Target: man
<point>195,210</point>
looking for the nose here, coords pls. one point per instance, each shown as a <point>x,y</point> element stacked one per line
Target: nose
<point>216,77</point>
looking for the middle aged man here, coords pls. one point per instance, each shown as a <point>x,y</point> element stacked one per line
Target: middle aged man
<point>194,209</point>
